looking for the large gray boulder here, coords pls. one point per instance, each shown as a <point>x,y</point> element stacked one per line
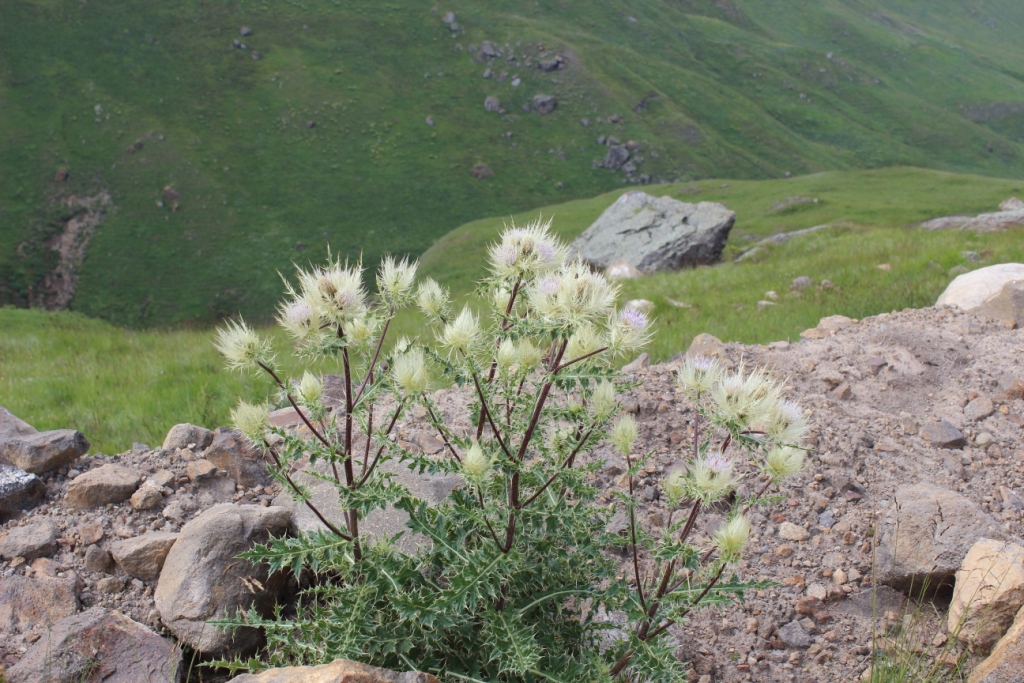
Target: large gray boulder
<point>379,524</point>
<point>203,578</point>
<point>925,534</point>
<point>99,646</point>
<point>656,233</point>
<point>996,292</point>
<point>338,671</point>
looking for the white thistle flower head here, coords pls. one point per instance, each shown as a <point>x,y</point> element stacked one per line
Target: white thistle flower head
<point>311,388</point>
<point>529,355</point>
<point>732,538</point>
<point>361,332</point>
<point>630,331</point>
<point>475,465</point>
<point>624,433</point>
<point>334,291</point>
<point>699,374</point>
<point>461,333</point>
<point>395,279</point>
<point>252,421</point>
<point>242,347</point>
<point>410,372</point>
<point>526,252</point>
<point>675,485</point>
<point>507,356</point>
<point>432,298</point>
<point>784,461</point>
<point>298,319</point>
<point>499,299</point>
<point>741,401</point>
<point>786,423</point>
<point>402,344</point>
<point>713,477</point>
<point>603,400</point>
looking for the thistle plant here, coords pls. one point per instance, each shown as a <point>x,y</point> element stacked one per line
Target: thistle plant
<point>517,570</point>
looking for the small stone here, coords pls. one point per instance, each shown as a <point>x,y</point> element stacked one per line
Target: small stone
<point>784,550</point>
<point>98,560</point>
<point>792,532</point>
<point>147,497</point>
<point>876,365</point>
<point>794,635</point>
<point>979,409</point>
<point>492,104</point>
<point>201,469</point>
<point>801,283</point>
<point>90,533</point>
<point>30,541</point>
<point>106,484</point>
<point>544,104</point>
<point>842,392</point>
<point>162,478</point>
<point>818,591</point>
<point>245,31</point>
<point>839,577</point>
<point>143,556</point>
<point>983,439</point>
<point>110,585</point>
<point>942,434</point>
<point>826,520</point>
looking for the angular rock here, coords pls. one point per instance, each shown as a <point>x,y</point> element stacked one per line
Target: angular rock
<point>187,435</point>
<point>793,532</point>
<point>200,469</point>
<point>656,233</point>
<point>979,409</point>
<point>99,646</point>
<point>925,534</point>
<point>942,434</point>
<point>794,635</point>
<point>19,490</point>
<point>338,671</point>
<point>621,270</point>
<point>147,497</point>
<point>106,484</point>
<point>379,523</point>
<point>988,593</point>
<point>143,556</point>
<point>706,345</point>
<point>27,603</point>
<point>44,451</point>
<point>481,171</point>
<point>996,292</point>
<point>98,560</point>
<point>637,364</point>
<point>492,104</point>
<point>1006,662</point>
<point>616,157</point>
<point>487,49</point>
<point>233,455</point>
<point>12,426</point>
<point>203,579</point>
<point>544,104</point>
<point>30,541</point>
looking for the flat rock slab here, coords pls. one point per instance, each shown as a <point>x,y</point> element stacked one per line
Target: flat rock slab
<point>105,484</point>
<point>656,233</point>
<point>44,451</point>
<point>203,578</point>
<point>19,490</point>
<point>378,524</point>
<point>925,535</point>
<point>942,434</point>
<point>99,646</point>
<point>143,556</point>
<point>30,541</point>
<point>338,671</point>
<point>28,603</point>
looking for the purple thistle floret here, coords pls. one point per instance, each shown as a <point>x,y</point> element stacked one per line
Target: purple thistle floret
<point>633,319</point>
<point>717,463</point>
<point>506,255</point>
<point>702,363</point>
<point>546,252</point>
<point>548,286</point>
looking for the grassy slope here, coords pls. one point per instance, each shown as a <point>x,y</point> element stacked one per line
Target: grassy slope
<point>746,89</point>
<point>66,370</point>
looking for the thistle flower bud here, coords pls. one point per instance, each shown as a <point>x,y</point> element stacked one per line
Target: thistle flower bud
<point>675,485</point>
<point>786,423</point>
<point>741,401</point>
<point>783,461</point>
<point>395,279</point>
<point>584,341</point>
<point>298,319</point>
<point>410,372</point>
<point>360,331</point>
<point>624,433</point>
<point>629,331</point>
<point>475,465</point>
<point>499,299</point>
<point>529,355</point>
<point>732,538</point>
<point>432,298</point>
<point>334,292</point>
<point>525,252</point>
<point>507,355</point>
<point>252,421</point>
<point>699,374</point>
<point>242,347</point>
<point>603,400</point>
<point>460,334</point>
<point>311,388</point>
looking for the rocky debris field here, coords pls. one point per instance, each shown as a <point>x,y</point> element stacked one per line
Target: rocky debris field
<point>916,456</point>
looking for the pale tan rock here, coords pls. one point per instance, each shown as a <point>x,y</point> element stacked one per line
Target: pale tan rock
<point>106,484</point>
<point>706,345</point>
<point>147,497</point>
<point>143,556</point>
<point>621,270</point>
<point>1006,663</point>
<point>989,591</point>
<point>793,532</point>
<point>338,671</point>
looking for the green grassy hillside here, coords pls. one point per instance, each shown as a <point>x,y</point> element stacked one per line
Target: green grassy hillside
<point>117,386</point>
<point>133,96</point>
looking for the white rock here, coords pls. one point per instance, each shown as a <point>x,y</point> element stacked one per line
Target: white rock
<point>996,291</point>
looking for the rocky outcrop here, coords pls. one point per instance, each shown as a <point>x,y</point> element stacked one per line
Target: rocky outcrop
<point>656,233</point>
<point>1010,214</point>
<point>203,578</point>
<point>99,646</point>
<point>925,534</point>
<point>996,292</point>
<point>338,671</point>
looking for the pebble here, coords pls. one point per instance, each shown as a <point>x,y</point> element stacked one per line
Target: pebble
<point>793,532</point>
